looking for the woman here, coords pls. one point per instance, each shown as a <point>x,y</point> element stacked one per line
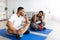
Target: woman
<point>37,21</point>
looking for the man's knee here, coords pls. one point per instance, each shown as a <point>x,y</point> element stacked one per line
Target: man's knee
<point>11,32</point>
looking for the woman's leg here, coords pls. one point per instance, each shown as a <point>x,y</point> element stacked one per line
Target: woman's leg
<point>43,24</point>
<point>33,26</point>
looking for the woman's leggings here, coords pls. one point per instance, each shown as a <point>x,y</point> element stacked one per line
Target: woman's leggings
<point>35,26</point>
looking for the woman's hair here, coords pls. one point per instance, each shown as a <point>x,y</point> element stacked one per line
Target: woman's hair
<point>41,12</point>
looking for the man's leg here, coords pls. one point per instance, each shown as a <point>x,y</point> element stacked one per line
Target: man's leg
<point>11,32</point>
<point>20,32</point>
<point>14,32</point>
<point>27,32</point>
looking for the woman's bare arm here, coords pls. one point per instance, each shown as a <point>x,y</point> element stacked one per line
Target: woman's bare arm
<point>34,19</point>
<point>42,19</point>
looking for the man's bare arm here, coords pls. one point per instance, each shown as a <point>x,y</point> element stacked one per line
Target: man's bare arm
<point>26,26</point>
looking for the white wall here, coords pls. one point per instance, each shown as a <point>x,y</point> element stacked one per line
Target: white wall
<point>50,7</point>
<point>10,5</point>
<point>29,5</point>
<point>55,8</point>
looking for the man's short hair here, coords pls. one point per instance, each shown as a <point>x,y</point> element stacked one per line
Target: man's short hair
<point>20,8</point>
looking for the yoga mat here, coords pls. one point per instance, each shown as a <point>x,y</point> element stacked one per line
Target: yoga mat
<point>46,31</point>
<point>25,36</point>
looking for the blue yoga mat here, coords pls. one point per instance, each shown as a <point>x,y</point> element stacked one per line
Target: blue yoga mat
<point>46,31</point>
<point>25,37</point>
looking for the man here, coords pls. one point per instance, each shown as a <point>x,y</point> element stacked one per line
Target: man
<point>18,23</point>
